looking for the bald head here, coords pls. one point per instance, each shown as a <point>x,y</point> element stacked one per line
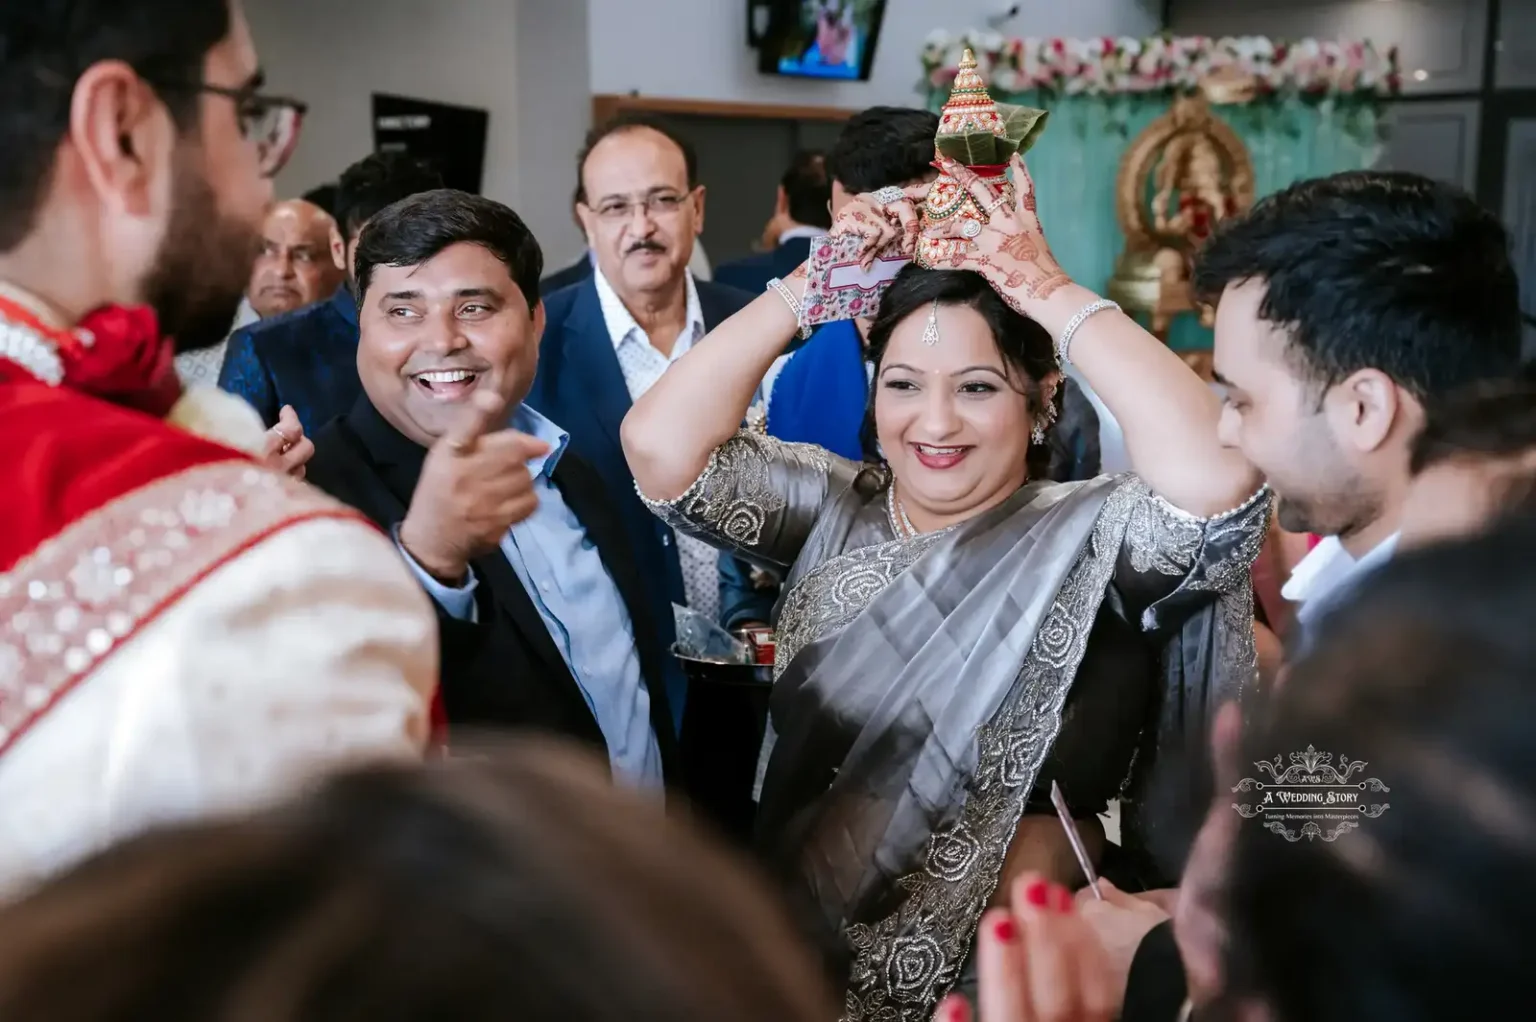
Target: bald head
<point>295,266</point>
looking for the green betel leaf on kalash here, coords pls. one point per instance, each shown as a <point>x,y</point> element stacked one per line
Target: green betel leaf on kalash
<point>1022,125</point>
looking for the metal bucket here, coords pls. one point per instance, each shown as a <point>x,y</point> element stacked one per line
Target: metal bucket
<point>723,725</point>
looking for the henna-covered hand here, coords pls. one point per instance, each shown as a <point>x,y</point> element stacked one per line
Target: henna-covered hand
<point>1011,251</point>
<point>884,225</point>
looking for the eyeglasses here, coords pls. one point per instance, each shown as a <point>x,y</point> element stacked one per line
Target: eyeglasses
<point>664,205</point>
<point>271,123</point>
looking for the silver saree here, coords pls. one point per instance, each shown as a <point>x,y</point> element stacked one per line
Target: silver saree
<point>927,690</point>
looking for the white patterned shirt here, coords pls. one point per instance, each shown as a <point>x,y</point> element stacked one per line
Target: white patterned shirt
<point>201,368</point>
<point>642,366</point>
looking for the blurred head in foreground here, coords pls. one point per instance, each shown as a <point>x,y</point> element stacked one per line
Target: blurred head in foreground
<point>1475,460</point>
<point>1424,912</point>
<point>527,888</point>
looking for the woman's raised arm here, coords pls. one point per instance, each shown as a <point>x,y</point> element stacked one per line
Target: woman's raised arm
<point>1168,414</point>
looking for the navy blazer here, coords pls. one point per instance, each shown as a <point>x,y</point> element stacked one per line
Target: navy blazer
<point>306,358</point>
<point>580,385</point>
<point>573,274</point>
<point>753,273</point>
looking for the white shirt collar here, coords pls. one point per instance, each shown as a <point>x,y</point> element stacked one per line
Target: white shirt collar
<point>1328,567</point>
<point>622,326</point>
<point>799,231</point>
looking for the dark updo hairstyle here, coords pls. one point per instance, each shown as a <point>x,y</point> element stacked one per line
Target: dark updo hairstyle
<point>1026,348</point>
<point>527,887</point>
<point>1424,913</point>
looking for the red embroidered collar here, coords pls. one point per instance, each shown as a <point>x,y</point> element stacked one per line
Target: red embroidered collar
<point>115,353</point>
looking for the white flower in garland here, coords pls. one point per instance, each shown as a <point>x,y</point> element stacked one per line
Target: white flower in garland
<point>1161,63</point>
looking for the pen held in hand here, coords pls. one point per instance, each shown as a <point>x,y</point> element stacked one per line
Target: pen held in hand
<point>1075,839</point>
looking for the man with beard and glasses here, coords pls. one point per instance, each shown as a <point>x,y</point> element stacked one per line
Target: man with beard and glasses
<point>1345,304</point>
<point>612,336</point>
<point>182,630</point>
<point>306,360</point>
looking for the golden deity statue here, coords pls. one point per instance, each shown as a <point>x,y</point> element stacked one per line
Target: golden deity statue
<point>1182,176</point>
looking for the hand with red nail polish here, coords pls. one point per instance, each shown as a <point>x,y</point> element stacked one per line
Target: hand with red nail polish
<point>1038,961</point>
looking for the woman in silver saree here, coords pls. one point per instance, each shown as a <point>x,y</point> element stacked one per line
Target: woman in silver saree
<point>954,636</point>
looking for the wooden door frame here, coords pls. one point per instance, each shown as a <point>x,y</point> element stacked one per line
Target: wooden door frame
<point>606,106</point>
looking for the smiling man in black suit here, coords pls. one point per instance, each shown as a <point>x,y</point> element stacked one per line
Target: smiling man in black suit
<point>543,612</point>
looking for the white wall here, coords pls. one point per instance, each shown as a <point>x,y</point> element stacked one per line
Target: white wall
<point>697,49</point>
<point>335,54</point>
<point>554,111</point>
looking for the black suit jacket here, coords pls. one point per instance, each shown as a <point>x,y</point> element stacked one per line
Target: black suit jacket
<point>580,386</point>
<point>506,670</point>
<point>575,273</point>
<point>753,273</point>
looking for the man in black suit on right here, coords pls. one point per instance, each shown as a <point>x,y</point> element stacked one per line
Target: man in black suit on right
<point>803,211</point>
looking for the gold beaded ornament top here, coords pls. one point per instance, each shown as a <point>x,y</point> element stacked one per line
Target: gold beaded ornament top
<point>982,134</point>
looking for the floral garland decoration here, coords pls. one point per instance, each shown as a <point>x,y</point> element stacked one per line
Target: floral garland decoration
<point>1310,68</point>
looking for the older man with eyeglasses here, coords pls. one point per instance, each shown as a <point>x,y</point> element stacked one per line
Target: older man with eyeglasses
<point>183,630</point>
<point>612,336</point>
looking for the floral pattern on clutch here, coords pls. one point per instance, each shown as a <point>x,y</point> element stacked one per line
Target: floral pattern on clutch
<point>837,287</point>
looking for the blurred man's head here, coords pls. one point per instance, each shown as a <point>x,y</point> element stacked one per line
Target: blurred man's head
<point>369,186</point>
<point>641,206</point>
<point>137,151</point>
<point>294,267</point>
<point>805,193</point>
<point>448,304</point>
<point>1475,459</point>
<point>880,147</point>
<point>1345,304</point>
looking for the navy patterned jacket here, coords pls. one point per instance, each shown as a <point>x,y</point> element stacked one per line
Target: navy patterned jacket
<point>306,358</point>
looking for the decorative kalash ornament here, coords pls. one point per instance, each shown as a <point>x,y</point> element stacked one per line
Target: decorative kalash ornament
<point>983,135</point>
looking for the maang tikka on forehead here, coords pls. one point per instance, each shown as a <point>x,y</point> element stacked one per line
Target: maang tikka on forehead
<point>931,330</point>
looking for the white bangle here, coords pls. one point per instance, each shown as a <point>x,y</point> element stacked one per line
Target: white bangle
<point>1064,344</point>
<point>785,293</point>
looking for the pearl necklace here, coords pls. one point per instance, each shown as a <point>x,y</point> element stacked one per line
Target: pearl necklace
<point>896,512</point>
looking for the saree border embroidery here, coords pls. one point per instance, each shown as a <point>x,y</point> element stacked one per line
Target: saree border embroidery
<point>905,962</point>
<point>734,495</point>
<point>839,589</point>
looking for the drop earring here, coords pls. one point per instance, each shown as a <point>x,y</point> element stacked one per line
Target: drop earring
<point>1037,436</point>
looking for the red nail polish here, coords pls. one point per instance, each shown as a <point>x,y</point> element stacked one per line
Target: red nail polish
<point>1063,900</point>
<point>1037,893</point>
<point>1005,930</point>
<point>957,1011</point>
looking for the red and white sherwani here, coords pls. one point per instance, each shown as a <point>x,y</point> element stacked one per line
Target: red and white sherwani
<point>182,631</point>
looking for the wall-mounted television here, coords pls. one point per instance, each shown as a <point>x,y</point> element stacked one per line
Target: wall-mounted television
<point>832,39</point>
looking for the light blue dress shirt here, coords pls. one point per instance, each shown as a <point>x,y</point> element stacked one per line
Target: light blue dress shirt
<point>581,607</point>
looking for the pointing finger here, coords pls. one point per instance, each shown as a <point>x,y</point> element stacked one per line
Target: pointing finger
<point>473,422</point>
<point>288,424</point>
